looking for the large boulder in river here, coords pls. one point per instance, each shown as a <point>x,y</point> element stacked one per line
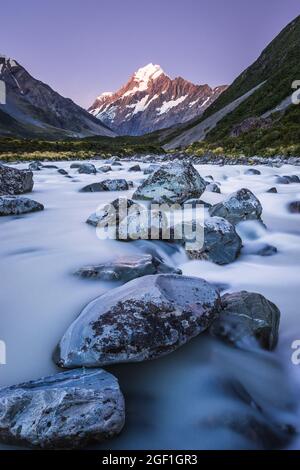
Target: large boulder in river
<point>16,205</point>
<point>221,243</point>
<point>87,168</point>
<point>66,410</point>
<point>107,185</point>
<point>173,183</point>
<point>237,207</point>
<point>247,319</point>
<point>14,181</point>
<point>144,319</point>
<point>126,268</point>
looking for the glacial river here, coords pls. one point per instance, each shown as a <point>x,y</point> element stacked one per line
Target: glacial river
<point>182,400</point>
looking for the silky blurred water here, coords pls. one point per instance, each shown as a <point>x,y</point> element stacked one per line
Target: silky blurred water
<point>168,399</point>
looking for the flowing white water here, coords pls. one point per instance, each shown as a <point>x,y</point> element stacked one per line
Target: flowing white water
<point>39,298</point>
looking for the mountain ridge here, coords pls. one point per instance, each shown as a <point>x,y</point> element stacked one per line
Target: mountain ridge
<point>151,100</point>
<point>36,110</point>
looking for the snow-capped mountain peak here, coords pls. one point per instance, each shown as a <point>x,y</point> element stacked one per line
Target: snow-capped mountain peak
<point>149,72</point>
<point>151,100</point>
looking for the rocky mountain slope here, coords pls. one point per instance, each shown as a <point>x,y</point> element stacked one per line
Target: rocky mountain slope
<point>151,100</point>
<point>257,105</point>
<point>33,109</point>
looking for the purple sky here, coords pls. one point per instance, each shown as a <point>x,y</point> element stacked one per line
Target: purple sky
<point>84,47</point>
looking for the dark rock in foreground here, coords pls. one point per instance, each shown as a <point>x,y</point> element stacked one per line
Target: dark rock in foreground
<point>246,320</point>
<point>126,268</point>
<point>144,319</point>
<point>14,181</point>
<point>107,185</point>
<point>174,183</point>
<point>66,410</point>
<point>237,207</point>
<point>16,205</point>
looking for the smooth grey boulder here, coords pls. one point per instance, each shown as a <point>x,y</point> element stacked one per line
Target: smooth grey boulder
<point>116,163</point>
<point>14,181</point>
<point>64,411</point>
<point>213,188</point>
<point>221,243</point>
<point>294,207</point>
<point>107,185</point>
<point>252,171</point>
<point>237,207</point>
<point>144,319</point>
<point>104,168</point>
<point>135,168</point>
<point>17,205</point>
<point>87,168</point>
<point>126,268</point>
<point>247,319</point>
<point>35,166</point>
<point>174,183</point>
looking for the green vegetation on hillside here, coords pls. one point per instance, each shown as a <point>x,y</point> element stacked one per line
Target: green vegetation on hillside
<point>282,138</point>
<point>12,149</point>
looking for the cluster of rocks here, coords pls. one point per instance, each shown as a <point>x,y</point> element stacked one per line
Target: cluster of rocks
<point>173,186</point>
<point>14,182</point>
<point>212,159</point>
<point>154,313</point>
